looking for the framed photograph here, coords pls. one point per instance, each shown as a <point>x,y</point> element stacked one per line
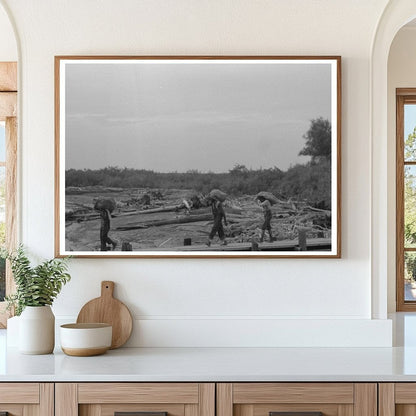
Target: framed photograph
<point>198,156</point>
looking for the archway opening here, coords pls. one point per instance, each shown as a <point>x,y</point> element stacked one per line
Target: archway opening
<point>401,169</point>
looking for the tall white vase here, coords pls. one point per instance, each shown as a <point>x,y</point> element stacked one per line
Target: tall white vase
<point>37,330</point>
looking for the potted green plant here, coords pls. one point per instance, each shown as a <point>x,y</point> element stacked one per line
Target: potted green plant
<point>36,289</point>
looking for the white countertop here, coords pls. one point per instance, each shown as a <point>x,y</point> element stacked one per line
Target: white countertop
<point>221,364</point>
<point>215,364</point>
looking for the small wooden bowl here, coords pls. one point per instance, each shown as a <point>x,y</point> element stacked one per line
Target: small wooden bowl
<point>84,340</point>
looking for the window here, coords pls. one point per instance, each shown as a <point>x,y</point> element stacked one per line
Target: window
<point>8,166</point>
<point>406,199</point>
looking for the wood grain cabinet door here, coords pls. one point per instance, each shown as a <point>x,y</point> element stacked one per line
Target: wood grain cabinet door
<point>397,399</point>
<point>135,399</point>
<point>26,399</point>
<point>297,399</point>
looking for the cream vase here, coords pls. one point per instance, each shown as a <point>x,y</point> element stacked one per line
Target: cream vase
<point>37,330</point>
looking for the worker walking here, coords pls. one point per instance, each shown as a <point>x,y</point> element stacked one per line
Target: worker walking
<point>267,211</point>
<point>105,228</point>
<point>218,215</point>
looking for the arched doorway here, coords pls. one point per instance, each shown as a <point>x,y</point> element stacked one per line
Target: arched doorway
<point>396,15</point>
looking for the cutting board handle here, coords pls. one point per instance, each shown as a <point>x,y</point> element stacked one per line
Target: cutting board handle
<point>107,289</point>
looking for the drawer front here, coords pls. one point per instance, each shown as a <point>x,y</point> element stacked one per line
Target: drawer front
<point>297,399</point>
<point>138,393</point>
<point>19,393</point>
<point>131,399</point>
<point>342,393</point>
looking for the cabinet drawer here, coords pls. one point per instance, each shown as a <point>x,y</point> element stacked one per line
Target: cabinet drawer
<point>297,399</point>
<point>138,393</point>
<point>146,399</point>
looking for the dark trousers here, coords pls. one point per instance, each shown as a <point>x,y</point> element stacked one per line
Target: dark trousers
<point>105,239</point>
<point>267,218</point>
<point>217,228</point>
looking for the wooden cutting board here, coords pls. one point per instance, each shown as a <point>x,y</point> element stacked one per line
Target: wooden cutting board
<point>107,309</point>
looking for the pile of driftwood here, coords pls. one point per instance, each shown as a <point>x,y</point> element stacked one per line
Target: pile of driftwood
<point>244,216</point>
<point>289,218</point>
<point>244,219</point>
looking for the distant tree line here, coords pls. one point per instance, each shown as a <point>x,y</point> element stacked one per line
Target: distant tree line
<point>310,181</point>
<point>410,193</point>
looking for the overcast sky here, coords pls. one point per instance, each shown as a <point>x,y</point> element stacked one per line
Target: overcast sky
<point>204,116</point>
<point>409,119</point>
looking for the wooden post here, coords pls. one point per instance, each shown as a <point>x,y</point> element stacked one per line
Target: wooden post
<point>302,240</point>
<point>126,246</point>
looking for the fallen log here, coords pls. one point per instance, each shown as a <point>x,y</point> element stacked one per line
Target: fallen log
<point>325,211</point>
<point>81,217</point>
<point>168,208</point>
<point>161,209</point>
<point>180,220</point>
<point>144,211</point>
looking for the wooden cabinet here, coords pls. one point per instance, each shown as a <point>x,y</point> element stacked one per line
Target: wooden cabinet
<point>107,399</point>
<point>27,399</point>
<point>264,399</point>
<point>208,399</point>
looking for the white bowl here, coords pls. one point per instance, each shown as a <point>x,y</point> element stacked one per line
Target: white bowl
<point>84,340</point>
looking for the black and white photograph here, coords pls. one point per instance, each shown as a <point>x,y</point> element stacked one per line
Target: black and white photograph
<point>197,156</point>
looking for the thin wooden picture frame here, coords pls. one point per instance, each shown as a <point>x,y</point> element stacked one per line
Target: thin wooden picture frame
<point>211,121</point>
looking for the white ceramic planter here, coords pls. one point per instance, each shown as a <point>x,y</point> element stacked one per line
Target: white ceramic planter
<point>37,330</point>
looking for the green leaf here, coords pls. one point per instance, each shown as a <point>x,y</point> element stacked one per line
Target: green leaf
<point>35,286</point>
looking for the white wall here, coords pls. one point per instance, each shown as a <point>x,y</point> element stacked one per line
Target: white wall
<point>401,74</point>
<point>8,47</point>
<point>199,302</point>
